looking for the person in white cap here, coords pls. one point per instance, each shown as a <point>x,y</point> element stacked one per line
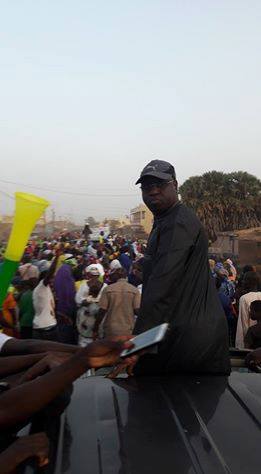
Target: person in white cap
<point>87,299</point>
<point>115,265</point>
<point>93,274</point>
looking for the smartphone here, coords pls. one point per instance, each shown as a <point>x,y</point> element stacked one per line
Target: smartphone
<point>146,339</point>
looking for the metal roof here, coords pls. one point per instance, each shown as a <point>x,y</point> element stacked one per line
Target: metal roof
<point>160,425</point>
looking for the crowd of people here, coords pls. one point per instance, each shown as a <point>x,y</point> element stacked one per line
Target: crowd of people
<point>240,297</point>
<point>74,291</point>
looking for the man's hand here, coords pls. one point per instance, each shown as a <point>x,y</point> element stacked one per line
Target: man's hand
<point>51,360</point>
<point>36,445</point>
<point>253,359</point>
<point>105,353</point>
<point>127,365</point>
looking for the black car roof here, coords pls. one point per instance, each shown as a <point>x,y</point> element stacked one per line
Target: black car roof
<point>162,425</point>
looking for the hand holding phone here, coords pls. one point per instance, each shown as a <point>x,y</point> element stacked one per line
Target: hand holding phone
<point>146,339</point>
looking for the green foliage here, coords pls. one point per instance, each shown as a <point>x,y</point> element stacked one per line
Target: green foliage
<point>224,201</point>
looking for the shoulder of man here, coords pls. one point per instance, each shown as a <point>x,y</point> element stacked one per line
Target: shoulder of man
<point>187,216</point>
<point>131,288</point>
<point>183,220</point>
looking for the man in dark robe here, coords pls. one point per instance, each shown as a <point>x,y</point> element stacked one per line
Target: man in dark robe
<point>177,284</point>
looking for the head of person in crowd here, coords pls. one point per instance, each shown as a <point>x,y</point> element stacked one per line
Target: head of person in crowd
<point>255,311</point>
<point>31,283</point>
<point>17,283</point>
<point>108,246</point>
<point>47,255</point>
<point>158,186</point>
<point>78,269</point>
<point>44,245</point>
<point>26,258</point>
<point>227,287</point>
<point>99,254</point>
<point>228,268</point>
<point>222,273</point>
<point>95,288</point>
<point>43,266</point>
<point>92,273</point>
<point>117,274</point>
<point>124,248</point>
<point>115,264</point>
<point>28,285</point>
<point>251,282</point>
<point>36,252</point>
<point>248,268</point>
<point>70,261</point>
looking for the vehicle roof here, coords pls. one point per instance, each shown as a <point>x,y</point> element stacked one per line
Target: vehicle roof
<point>162,425</point>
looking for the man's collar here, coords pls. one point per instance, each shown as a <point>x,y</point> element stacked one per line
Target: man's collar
<point>167,212</point>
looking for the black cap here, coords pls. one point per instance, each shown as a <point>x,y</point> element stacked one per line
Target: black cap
<point>158,168</point>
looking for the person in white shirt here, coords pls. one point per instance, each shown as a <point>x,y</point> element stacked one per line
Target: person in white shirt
<point>93,273</point>
<point>252,287</point>
<point>44,322</point>
<point>87,313</point>
<point>87,299</point>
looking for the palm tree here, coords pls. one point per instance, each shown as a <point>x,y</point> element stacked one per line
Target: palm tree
<point>224,201</point>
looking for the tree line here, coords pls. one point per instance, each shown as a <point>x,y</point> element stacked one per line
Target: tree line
<point>224,201</point>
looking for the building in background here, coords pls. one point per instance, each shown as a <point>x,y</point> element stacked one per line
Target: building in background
<point>6,223</point>
<point>141,218</point>
<point>244,245</point>
<point>124,221</point>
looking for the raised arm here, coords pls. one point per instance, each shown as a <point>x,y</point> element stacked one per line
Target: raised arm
<point>19,403</point>
<point>52,269</point>
<point>15,364</point>
<point>35,346</point>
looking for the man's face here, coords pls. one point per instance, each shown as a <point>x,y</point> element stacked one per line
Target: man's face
<point>92,279</point>
<point>158,195</point>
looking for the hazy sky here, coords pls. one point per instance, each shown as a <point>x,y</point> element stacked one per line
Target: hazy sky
<point>93,90</point>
